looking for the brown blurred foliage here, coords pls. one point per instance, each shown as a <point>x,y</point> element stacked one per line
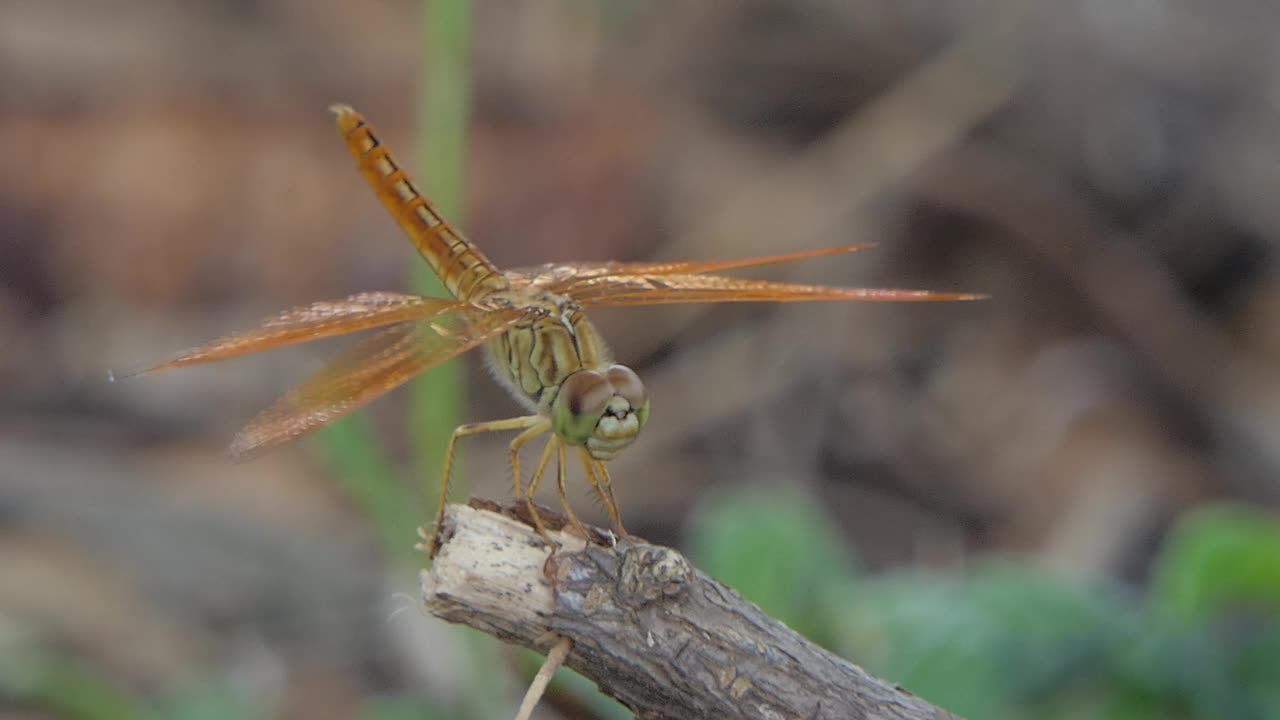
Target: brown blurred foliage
<point>1102,169</point>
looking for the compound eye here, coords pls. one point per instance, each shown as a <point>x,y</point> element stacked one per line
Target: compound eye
<point>579,405</point>
<point>586,393</point>
<point>626,383</point>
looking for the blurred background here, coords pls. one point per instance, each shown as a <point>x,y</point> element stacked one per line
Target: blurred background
<point>1058,503</point>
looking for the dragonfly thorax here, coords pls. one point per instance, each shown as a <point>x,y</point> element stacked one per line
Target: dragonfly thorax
<point>601,410</point>
<point>555,363</point>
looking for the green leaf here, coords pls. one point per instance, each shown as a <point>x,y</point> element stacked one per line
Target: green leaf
<point>210,699</point>
<point>995,644</point>
<point>1219,558</point>
<point>1210,647</point>
<point>68,688</point>
<point>779,550</point>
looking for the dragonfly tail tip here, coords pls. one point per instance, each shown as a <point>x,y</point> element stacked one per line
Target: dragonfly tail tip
<point>348,118</point>
<point>113,376</point>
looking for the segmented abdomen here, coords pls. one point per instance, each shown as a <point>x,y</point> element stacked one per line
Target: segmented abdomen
<point>460,265</point>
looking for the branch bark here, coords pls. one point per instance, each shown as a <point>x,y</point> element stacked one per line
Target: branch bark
<point>647,627</point>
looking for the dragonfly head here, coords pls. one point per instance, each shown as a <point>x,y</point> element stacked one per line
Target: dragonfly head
<point>602,410</point>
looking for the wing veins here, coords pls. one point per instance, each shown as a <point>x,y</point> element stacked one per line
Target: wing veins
<point>361,375</point>
<point>304,323</point>
<point>671,289</point>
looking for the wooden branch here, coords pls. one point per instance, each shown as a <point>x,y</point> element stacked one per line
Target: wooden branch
<point>650,629</point>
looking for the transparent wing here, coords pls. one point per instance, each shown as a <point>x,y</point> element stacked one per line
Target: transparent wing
<point>567,277</point>
<point>323,319</point>
<point>367,371</point>
<point>614,290</point>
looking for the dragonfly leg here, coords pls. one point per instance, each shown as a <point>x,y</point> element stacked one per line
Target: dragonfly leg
<point>527,423</point>
<point>592,479</point>
<point>516,443</point>
<point>564,498</point>
<point>611,504</point>
<point>552,444</point>
<point>598,478</point>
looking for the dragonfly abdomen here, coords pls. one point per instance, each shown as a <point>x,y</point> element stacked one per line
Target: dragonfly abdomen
<point>460,265</point>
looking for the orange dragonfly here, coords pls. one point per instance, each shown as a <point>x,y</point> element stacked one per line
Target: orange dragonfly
<point>538,341</point>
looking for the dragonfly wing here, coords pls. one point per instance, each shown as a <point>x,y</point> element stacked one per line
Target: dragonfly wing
<point>328,318</point>
<point>566,277</point>
<point>615,290</point>
<point>367,371</point>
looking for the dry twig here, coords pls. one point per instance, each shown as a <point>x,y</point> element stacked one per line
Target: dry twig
<point>555,659</point>
<point>646,626</point>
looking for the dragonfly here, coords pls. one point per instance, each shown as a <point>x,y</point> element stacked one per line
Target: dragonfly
<point>531,322</point>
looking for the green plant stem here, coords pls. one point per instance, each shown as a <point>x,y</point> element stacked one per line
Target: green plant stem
<point>362,469</point>
<point>437,397</point>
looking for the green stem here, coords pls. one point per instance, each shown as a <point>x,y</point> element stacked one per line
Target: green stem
<point>438,396</point>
